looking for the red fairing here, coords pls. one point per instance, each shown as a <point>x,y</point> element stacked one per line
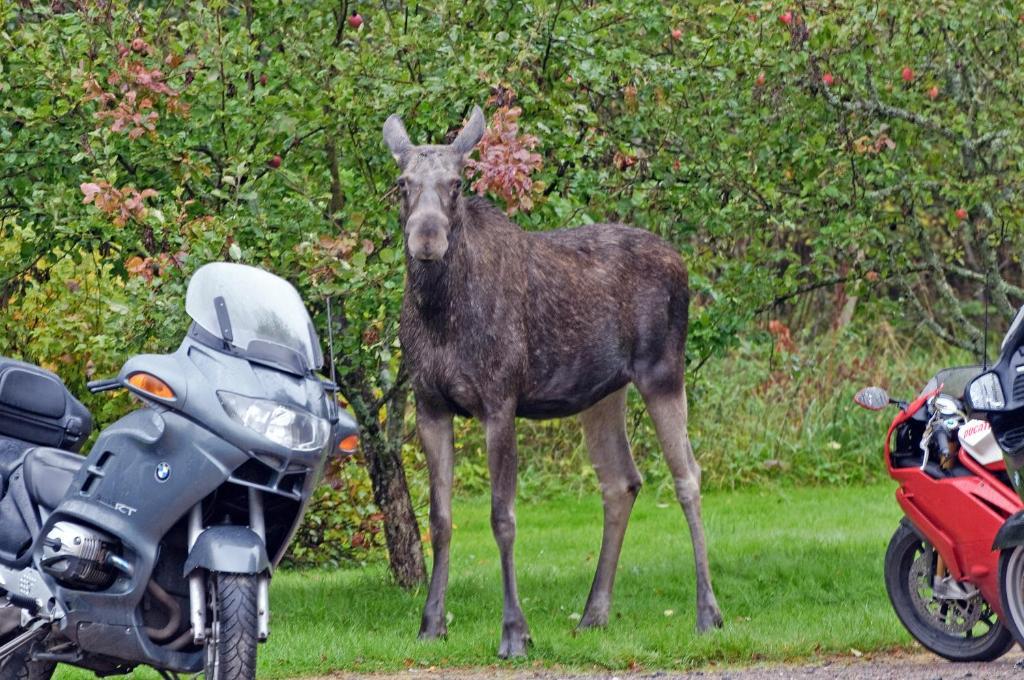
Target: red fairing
<point>958,515</point>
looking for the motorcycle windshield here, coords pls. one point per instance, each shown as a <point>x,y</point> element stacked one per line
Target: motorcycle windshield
<point>1017,320</point>
<point>259,314</point>
<point>954,380</point>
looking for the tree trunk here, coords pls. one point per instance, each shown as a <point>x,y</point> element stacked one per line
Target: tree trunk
<point>391,493</point>
<point>381,444</point>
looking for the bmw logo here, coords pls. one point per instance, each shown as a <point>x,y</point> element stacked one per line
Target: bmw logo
<point>163,472</point>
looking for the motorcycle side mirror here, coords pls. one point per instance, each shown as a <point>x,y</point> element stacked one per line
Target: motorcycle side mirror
<point>872,398</point>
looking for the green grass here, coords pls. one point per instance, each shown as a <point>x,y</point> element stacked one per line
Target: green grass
<point>798,573</point>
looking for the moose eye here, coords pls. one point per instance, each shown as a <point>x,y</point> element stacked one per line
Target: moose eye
<point>456,188</point>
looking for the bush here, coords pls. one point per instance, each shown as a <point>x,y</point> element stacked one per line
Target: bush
<point>806,179</point>
<point>342,526</point>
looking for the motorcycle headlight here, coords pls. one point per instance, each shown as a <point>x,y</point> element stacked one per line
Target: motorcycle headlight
<point>986,393</point>
<point>291,428</point>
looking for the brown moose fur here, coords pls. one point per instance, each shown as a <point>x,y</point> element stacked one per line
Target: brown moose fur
<point>555,321</point>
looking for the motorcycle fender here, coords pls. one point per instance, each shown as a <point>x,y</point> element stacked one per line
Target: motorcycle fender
<point>1011,533</point>
<point>228,549</point>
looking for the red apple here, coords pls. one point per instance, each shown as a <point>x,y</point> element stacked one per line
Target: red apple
<point>907,74</point>
<point>677,34</point>
<point>760,79</point>
<point>961,214</point>
<point>828,79</point>
<point>274,162</point>
<point>356,20</point>
<point>263,80</point>
<point>933,93</point>
<point>786,18</point>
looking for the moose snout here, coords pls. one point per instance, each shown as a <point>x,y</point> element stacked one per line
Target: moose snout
<point>428,237</point>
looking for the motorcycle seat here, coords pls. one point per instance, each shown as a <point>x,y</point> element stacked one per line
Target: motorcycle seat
<point>49,473</point>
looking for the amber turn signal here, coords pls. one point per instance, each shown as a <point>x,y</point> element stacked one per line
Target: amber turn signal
<point>349,444</point>
<point>150,384</point>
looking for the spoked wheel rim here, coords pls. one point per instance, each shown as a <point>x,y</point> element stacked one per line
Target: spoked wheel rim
<point>953,617</point>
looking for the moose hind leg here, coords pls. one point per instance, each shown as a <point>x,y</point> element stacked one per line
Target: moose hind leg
<point>668,410</point>
<point>502,459</point>
<point>604,428</point>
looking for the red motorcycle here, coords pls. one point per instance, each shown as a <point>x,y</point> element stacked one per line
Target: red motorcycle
<point>941,571</point>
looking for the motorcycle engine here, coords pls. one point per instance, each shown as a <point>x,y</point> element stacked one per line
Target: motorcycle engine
<point>78,557</point>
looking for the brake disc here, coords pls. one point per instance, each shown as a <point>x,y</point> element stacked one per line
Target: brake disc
<point>951,616</point>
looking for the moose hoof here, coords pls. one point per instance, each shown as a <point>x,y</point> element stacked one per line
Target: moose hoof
<point>707,618</point>
<point>593,619</point>
<point>514,641</point>
<point>433,629</point>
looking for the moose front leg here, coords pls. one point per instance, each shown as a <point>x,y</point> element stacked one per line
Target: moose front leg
<point>503,459</point>
<point>437,437</point>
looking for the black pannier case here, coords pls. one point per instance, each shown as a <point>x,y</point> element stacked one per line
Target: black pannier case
<point>36,407</point>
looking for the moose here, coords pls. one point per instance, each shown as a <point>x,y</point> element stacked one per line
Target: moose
<point>498,323</point>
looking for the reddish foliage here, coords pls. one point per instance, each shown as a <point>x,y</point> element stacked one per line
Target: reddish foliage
<point>783,340</point>
<point>122,204</point>
<point>624,161</point>
<point>150,267</point>
<point>506,162</point>
<point>131,115</point>
<point>136,89</point>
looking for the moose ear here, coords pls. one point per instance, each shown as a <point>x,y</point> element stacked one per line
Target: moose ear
<point>470,134</point>
<point>396,137</point>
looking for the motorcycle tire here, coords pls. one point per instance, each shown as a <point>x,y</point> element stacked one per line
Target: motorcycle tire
<point>947,628</point>
<point>231,646</point>
<point>1011,589</point>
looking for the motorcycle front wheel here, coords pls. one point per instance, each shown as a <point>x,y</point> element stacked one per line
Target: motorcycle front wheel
<point>231,646</point>
<point>955,629</point>
<point>1011,589</point>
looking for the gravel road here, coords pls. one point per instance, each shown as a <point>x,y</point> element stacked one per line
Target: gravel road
<point>868,667</point>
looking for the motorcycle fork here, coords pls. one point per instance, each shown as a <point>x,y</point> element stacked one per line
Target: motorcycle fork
<point>259,527</point>
<point>197,582</point>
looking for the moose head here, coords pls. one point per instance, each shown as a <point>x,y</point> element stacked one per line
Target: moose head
<point>430,184</point>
